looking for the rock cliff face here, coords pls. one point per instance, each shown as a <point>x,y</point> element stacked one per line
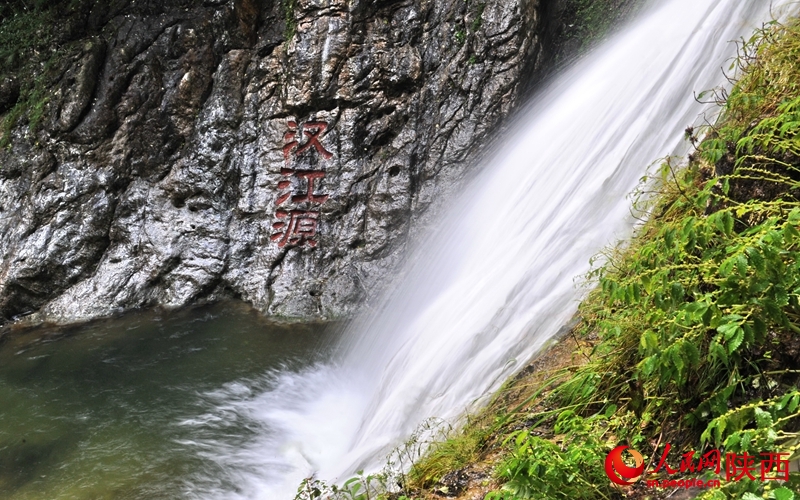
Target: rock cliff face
<point>277,152</point>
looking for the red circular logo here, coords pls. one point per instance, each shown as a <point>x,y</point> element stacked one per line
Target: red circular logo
<point>618,471</point>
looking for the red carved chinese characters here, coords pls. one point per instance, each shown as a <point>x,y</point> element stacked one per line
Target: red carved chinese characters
<point>309,196</point>
<point>301,228</point>
<point>298,226</point>
<point>314,132</point>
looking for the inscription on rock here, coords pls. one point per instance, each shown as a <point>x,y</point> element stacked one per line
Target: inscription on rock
<point>297,203</point>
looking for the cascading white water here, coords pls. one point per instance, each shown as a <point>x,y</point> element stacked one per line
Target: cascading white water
<point>494,279</point>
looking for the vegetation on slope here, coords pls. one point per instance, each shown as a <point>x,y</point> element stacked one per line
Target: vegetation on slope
<point>34,36</point>
<point>694,326</point>
<point>697,319</point>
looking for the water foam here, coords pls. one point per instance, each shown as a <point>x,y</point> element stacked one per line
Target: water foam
<point>494,280</point>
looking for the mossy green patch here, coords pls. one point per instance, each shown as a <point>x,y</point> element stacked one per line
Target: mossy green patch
<point>32,103</point>
<point>290,19</point>
<point>27,50</point>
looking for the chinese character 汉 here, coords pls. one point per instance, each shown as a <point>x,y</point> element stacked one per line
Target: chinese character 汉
<point>300,229</point>
<point>313,131</point>
<point>308,196</point>
<point>739,466</point>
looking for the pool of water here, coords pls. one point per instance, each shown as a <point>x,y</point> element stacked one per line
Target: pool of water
<point>122,408</point>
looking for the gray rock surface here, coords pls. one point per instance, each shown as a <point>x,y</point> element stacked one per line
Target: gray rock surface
<point>168,141</point>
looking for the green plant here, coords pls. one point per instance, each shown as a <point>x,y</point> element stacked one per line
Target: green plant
<point>290,19</point>
<point>460,36</point>
<point>476,23</point>
<point>698,316</point>
<point>694,325</point>
<point>27,49</point>
<point>32,102</point>
<point>359,487</point>
<point>748,491</point>
<point>391,481</point>
<point>541,468</point>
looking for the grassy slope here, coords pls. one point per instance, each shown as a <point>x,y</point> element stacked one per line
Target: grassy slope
<point>694,324</point>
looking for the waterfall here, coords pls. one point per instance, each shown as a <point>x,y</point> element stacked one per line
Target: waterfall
<point>493,278</point>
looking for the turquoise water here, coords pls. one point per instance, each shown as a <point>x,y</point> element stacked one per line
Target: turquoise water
<point>120,408</point>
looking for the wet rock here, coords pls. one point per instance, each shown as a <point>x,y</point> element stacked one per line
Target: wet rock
<point>9,93</point>
<point>78,85</point>
<point>453,483</point>
<point>276,152</point>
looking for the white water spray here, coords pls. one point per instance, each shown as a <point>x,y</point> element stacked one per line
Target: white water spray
<point>495,279</point>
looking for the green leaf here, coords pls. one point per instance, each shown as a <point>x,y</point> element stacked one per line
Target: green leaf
<point>790,233</point>
<point>792,406</point>
<point>728,330</point>
<point>741,265</point>
<point>783,402</point>
<point>783,493</point>
<point>676,290</point>
<point>648,365</point>
<point>658,299</point>
<point>696,310</point>
<point>745,440</point>
<point>719,429</point>
<point>772,309</point>
<point>716,350</point>
<point>705,437</point>
<point>692,353</point>
<point>756,259</point>
<point>759,327</point>
<point>736,341</point>
<point>781,296</point>
<point>732,442</point>
<point>763,418</point>
<point>650,341</point>
<point>726,267</point>
<point>669,237</point>
<point>677,359</point>
<point>727,221</point>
